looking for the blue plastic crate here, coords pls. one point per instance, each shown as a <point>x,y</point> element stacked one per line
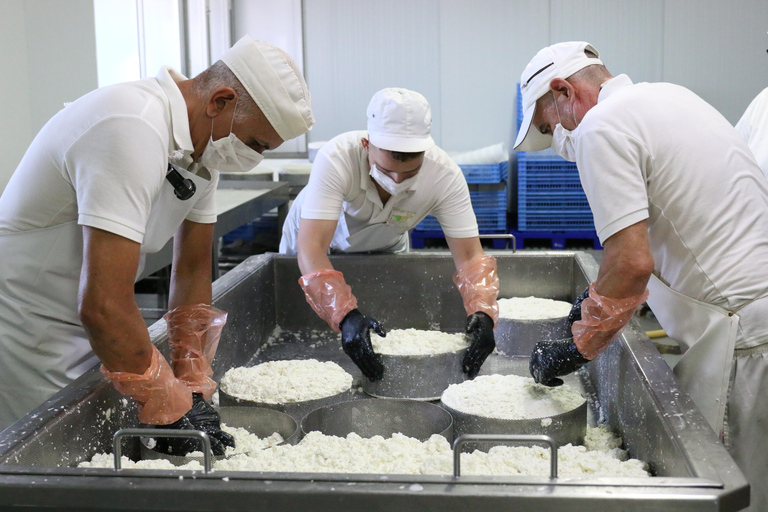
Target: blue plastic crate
<point>488,199</point>
<point>555,220</point>
<point>485,173</point>
<point>487,220</point>
<point>249,231</point>
<point>545,199</point>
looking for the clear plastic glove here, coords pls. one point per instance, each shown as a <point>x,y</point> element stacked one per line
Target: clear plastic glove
<point>575,313</point>
<point>194,332</point>
<point>480,331</point>
<point>602,318</point>
<point>329,295</point>
<point>552,359</point>
<point>478,283</point>
<point>201,417</point>
<point>356,342</point>
<point>161,396</point>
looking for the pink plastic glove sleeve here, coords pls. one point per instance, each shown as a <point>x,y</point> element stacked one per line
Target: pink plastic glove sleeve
<point>194,331</point>
<point>602,318</point>
<point>162,397</point>
<point>478,284</point>
<point>329,295</point>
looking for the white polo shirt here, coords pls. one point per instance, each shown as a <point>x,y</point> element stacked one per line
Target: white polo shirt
<point>657,151</point>
<point>102,159</point>
<point>753,127</point>
<point>340,181</point>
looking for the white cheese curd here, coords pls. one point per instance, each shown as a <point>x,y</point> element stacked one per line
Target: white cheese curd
<point>510,397</point>
<point>415,342</point>
<point>281,382</point>
<point>533,308</point>
<point>245,442</point>
<point>107,460</point>
<point>318,453</point>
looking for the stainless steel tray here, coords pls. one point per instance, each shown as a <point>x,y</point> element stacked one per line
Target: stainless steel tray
<point>631,389</point>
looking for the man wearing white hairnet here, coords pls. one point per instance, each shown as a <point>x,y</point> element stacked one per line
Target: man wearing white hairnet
<point>366,190</point>
<point>115,175</point>
<point>681,208</point>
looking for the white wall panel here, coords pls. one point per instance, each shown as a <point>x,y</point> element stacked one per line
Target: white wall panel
<point>353,48</point>
<point>48,56</point>
<point>717,49</point>
<point>15,131</point>
<point>485,44</point>
<point>277,22</point>
<point>628,34</point>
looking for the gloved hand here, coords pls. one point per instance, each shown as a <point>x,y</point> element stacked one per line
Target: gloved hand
<point>575,314</point>
<point>356,342</point>
<point>552,359</point>
<point>194,331</point>
<point>161,396</point>
<point>201,417</point>
<point>478,283</point>
<point>480,330</point>
<point>329,295</point>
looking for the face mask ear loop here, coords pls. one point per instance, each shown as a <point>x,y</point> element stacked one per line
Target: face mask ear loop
<point>232,124</point>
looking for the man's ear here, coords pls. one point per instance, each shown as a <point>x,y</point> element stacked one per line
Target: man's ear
<point>561,86</point>
<point>219,100</point>
<point>365,143</point>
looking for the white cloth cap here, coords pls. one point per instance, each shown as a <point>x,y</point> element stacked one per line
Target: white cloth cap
<point>560,60</point>
<point>400,120</point>
<point>274,82</point>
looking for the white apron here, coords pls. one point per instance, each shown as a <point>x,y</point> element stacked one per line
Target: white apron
<point>707,336</point>
<point>380,237</point>
<point>43,346</point>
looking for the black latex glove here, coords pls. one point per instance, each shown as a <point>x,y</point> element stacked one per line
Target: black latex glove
<point>203,417</point>
<point>356,342</point>
<point>480,330</point>
<point>575,314</point>
<point>552,359</point>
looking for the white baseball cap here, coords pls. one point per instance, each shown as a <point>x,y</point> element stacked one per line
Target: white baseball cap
<point>275,83</point>
<point>400,120</point>
<point>560,60</point>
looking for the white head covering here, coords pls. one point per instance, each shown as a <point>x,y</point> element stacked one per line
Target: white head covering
<point>560,60</point>
<point>274,82</point>
<point>400,120</point>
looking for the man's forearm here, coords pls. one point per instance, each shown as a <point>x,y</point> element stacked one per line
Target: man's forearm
<point>118,334</point>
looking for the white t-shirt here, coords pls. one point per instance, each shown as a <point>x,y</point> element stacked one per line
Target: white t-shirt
<point>753,127</point>
<point>102,159</point>
<point>659,152</point>
<point>340,180</point>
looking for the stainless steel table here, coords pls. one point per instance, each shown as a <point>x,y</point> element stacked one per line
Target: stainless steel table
<point>238,200</point>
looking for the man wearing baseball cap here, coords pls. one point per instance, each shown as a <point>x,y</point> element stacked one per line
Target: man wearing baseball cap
<point>115,175</point>
<point>681,207</point>
<point>365,191</point>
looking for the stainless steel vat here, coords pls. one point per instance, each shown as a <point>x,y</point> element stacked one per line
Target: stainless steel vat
<point>631,389</point>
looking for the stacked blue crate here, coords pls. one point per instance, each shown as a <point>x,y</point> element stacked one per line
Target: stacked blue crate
<point>549,192</point>
<point>267,223</point>
<point>488,193</point>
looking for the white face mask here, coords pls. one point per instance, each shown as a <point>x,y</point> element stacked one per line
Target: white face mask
<point>563,140</point>
<point>564,143</point>
<point>389,184</point>
<point>229,154</point>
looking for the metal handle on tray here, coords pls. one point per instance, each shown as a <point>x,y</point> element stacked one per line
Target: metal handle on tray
<point>152,432</point>
<point>510,237</point>
<point>461,441</point>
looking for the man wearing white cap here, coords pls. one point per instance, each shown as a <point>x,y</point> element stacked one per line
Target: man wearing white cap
<point>365,191</point>
<point>681,208</point>
<point>115,175</point>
